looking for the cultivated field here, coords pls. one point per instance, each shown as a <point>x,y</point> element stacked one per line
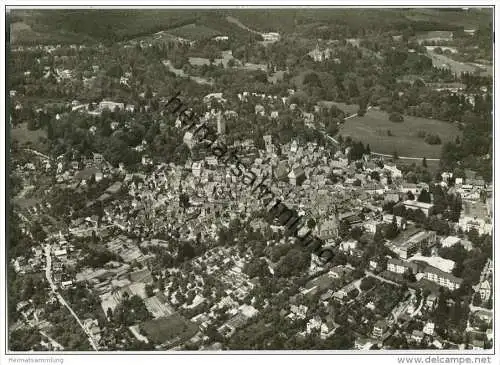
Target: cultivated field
<point>372,129</point>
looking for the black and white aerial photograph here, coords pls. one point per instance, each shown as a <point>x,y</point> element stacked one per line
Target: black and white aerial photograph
<point>251,180</point>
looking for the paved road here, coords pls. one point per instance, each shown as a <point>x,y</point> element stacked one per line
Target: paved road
<point>240,24</point>
<point>356,114</point>
<point>23,217</point>
<point>37,153</point>
<point>48,275</point>
<point>346,118</point>
<point>475,309</point>
<point>405,158</point>
<point>368,273</point>
<point>54,343</point>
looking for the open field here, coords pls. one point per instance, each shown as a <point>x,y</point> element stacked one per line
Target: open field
<point>169,329</point>
<point>348,109</point>
<point>469,19</point>
<point>200,61</point>
<point>20,29</point>
<point>306,22</point>
<point>23,33</point>
<point>25,137</point>
<point>372,129</point>
<point>194,32</point>
<point>121,25</point>
<point>97,24</point>
<point>432,166</point>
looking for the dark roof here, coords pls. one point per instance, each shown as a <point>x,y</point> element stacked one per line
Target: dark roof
<point>298,171</point>
<point>381,324</point>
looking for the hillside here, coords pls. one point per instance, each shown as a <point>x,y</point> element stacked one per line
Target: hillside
<point>355,22</point>
<point>119,25</point>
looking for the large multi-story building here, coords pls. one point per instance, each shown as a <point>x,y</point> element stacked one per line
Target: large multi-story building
<point>400,267</point>
<point>416,205</point>
<point>379,328</point>
<point>110,105</point>
<point>414,243</point>
<point>442,278</point>
<point>429,272</point>
<point>297,176</point>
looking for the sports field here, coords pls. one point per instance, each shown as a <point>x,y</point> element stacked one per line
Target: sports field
<point>169,329</point>
<point>373,126</point>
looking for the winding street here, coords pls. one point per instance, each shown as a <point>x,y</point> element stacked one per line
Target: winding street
<point>48,275</point>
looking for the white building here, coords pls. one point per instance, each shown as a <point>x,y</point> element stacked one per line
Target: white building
<point>450,241</point>
<point>271,37</point>
<point>196,169</point>
<point>429,328</point>
<point>189,139</point>
<point>416,205</point>
<point>110,105</point>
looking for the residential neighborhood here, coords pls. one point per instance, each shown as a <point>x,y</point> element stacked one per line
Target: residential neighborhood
<point>128,232</point>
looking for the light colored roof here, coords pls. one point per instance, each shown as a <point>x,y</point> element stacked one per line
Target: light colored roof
<point>248,310</point>
<point>436,261</point>
<point>450,241</point>
<point>417,204</point>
